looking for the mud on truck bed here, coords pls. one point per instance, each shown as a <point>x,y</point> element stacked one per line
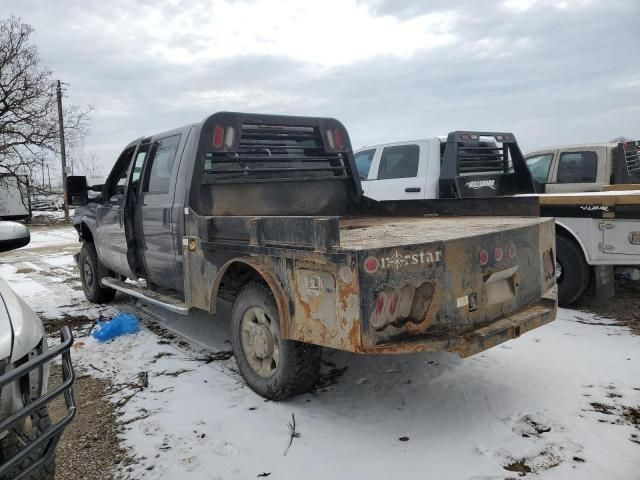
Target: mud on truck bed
<point>266,211</point>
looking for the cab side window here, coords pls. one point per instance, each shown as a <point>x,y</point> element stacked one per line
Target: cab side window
<point>162,158</point>
<point>400,161</point>
<point>118,180</point>
<point>577,167</point>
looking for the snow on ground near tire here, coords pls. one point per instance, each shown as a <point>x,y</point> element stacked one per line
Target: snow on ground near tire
<point>552,401</point>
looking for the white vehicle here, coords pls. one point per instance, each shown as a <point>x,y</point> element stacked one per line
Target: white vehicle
<point>27,437</point>
<point>15,203</point>
<point>587,168</point>
<point>595,231</point>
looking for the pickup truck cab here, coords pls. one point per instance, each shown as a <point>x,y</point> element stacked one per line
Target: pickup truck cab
<point>595,230</point>
<point>267,212</point>
<point>586,168</point>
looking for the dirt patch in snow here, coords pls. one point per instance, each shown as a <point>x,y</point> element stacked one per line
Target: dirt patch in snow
<point>624,308</point>
<point>79,324</point>
<point>632,415</point>
<point>89,448</point>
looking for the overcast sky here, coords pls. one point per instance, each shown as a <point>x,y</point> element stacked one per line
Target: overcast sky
<point>552,72</point>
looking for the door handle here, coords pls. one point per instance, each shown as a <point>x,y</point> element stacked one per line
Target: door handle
<point>412,189</point>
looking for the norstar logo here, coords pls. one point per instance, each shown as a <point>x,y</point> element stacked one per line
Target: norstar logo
<point>477,184</point>
<point>397,261</point>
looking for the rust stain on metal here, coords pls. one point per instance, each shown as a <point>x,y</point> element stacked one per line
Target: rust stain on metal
<point>265,274</point>
<point>355,338</point>
<point>345,290</point>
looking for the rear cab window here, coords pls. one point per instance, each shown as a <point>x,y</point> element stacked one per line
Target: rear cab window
<point>539,166</point>
<point>400,161</point>
<point>363,161</point>
<point>577,167</point>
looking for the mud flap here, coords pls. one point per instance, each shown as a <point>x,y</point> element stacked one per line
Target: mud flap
<point>602,286</point>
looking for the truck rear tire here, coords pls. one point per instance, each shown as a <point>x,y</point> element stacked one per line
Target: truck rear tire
<point>14,441</point>
<point>573,271</point>
<point>274,368</point>
<point>92,270</point>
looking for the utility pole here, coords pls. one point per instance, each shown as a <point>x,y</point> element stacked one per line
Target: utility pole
<point>62,151</point>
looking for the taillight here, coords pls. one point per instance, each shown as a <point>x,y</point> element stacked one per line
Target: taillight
<point>331,139</point>
<point>406,304</point>
<point>511,251</point>
<point>229,136</point>
<point>223,136</point>
<point>498,254</point>
<point>336,139</point>
<point>218,136</point>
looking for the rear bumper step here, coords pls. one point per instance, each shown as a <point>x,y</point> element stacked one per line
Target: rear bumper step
<point>482,338</point>
<point>154,298</point>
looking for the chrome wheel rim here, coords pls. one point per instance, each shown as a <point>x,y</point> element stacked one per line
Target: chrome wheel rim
<point>260,341</point>
<point>558,272</point>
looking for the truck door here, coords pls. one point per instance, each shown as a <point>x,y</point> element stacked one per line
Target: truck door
<point>577,170</point>
<point>111,241</point>
<point>156,241</point>
<point>398,175</point>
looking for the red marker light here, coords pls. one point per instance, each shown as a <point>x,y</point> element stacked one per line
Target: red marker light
<point>484,257</point>
<point>465,136</point>
<point>371,264</point>
<point>498,254</point>
<point>337,135</point>
<point>218,136</point>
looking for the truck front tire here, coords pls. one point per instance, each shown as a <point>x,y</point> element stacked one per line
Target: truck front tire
<point>574,271</point>
<point>274,368</point>
<point>92,270</point>
<point>14,441</point>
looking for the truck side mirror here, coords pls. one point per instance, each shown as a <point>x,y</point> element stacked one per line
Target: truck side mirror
<point>13,235</point>
<point>77,190</point>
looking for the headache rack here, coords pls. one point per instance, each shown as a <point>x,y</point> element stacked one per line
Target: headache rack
<point>482,157</point>
<point>265,152</point>
<point>626,163</point>
<point>483,164</point>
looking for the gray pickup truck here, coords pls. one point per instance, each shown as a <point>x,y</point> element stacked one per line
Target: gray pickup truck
<point>267,212</point>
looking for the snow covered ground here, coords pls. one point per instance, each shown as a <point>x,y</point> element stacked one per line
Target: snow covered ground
<point>556,403</point>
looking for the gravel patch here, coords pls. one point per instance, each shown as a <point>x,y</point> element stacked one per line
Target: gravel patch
<point>89,448</point>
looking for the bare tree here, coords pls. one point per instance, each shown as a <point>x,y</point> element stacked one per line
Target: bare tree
<point>29,131</point>
<point>91,165</point>
<point>619,140</point>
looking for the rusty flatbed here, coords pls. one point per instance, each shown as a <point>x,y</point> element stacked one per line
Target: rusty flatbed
<point>366,233</point>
